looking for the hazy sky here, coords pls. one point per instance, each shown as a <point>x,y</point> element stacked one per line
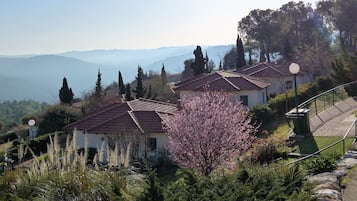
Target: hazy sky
<point>52,26</point>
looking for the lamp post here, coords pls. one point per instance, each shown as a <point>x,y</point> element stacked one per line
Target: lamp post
<point>31,124</point>
<point>294,69</point>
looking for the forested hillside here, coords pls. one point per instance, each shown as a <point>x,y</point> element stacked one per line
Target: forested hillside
<point>12,112</point>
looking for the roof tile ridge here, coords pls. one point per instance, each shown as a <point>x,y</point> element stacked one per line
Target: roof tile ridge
<point>257,71</point>
<point>158,102</point>
<point>233,85</point>
<point>253,80</point>
<point>133,117</point>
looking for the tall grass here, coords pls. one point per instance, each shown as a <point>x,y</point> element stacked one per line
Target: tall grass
<point>66,174</point>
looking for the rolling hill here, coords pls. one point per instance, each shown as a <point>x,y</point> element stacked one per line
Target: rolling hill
<point>40,77</point>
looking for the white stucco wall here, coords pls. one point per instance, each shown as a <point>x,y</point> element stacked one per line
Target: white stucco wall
<point>254,96</point>
<point>162,140</point>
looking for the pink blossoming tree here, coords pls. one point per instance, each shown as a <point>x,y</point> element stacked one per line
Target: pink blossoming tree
<point>210,131</point>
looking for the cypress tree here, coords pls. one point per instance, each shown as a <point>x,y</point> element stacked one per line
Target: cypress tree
<point>65,93</point>
<point>163,75</point>
<point>139,90</point>
<point>99,92</point>
<point>128,93</point>
<point>121,84</point>
<point>198,66</point>
<point>240,53</point>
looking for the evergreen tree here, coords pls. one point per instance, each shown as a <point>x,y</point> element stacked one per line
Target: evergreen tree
<point>128,93</point>
<point>65,93</point>
<point>163,75</point>
<point>148,96</point>
<point>220,67</point>
<point>250,62</point>
<point>121,84</point>
<point>99,91</point>
<point>240,51</point>
<point>139,90</point>
<point>198,66</point>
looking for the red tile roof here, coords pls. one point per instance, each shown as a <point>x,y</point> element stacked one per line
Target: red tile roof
<point>140,115</point>
<point>267,70</point>
<point>222,80</point>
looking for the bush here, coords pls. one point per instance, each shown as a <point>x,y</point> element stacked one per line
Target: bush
<point>261,113</point>
<point>57,117</point>
<point>283,102</point>
<point>266,153</point>
<point>324,84</point>
<point>351,90</point>
<point>10,136</point>
<point>325,162</point>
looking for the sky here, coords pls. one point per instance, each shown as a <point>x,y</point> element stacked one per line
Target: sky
<point>54,26</point>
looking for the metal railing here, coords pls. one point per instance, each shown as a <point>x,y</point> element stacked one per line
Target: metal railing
<point>326,99</point>
<point>343,140</point>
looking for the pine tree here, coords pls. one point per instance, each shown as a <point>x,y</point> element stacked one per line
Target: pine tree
<point>121,84</point>
<point>99,91</point>
<point>128,93</point>
<point>139,90</point>
<point>240,51</point>
<point>163,75</point>
<point>198,66</point>
<point>65,93</point>
<point>220,67</point>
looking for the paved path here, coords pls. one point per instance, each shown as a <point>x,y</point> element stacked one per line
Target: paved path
<point>335,120</point>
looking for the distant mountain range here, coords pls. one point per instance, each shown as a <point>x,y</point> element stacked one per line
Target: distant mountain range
<point>40,77</point>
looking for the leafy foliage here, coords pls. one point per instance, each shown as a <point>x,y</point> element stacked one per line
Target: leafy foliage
<point>325,162</point>
<point>208,132</point>
<point>13,111</point>
<point>261,113</point>
<point>57,117</point>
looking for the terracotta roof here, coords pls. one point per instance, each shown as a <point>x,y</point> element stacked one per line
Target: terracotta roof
<point>267,70</point>
<point>222,80</point>
<point>140,115</point>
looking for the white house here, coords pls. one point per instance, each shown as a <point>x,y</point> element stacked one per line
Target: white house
<point>138,122</point>
<point>247,89</point>
<point>277,75</point>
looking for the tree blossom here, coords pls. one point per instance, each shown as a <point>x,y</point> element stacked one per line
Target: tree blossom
<point>210,131</point>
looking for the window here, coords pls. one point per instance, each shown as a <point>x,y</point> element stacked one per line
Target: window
<point>289,84</point>
<point>152,144</point>
<point>244,100</point>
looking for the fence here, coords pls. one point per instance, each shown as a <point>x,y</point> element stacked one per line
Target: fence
<point>326,99</point>
<point>342,140</point>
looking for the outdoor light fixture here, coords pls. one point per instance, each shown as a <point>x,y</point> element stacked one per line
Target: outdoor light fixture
<point>294,69</point>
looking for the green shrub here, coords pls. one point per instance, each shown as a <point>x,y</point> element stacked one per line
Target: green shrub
<point>351,90</point>
<point>57,117</point>
<point>325,162</point>
<point>10,136</point>
<point>266,153</point>
<point>261,113</point>
<point>283,102</point>
<point>324,84</point>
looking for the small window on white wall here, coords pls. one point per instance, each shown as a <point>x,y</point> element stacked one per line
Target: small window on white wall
<point>244,100</point>
<point>152,144</point>
<point>289,84</point>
